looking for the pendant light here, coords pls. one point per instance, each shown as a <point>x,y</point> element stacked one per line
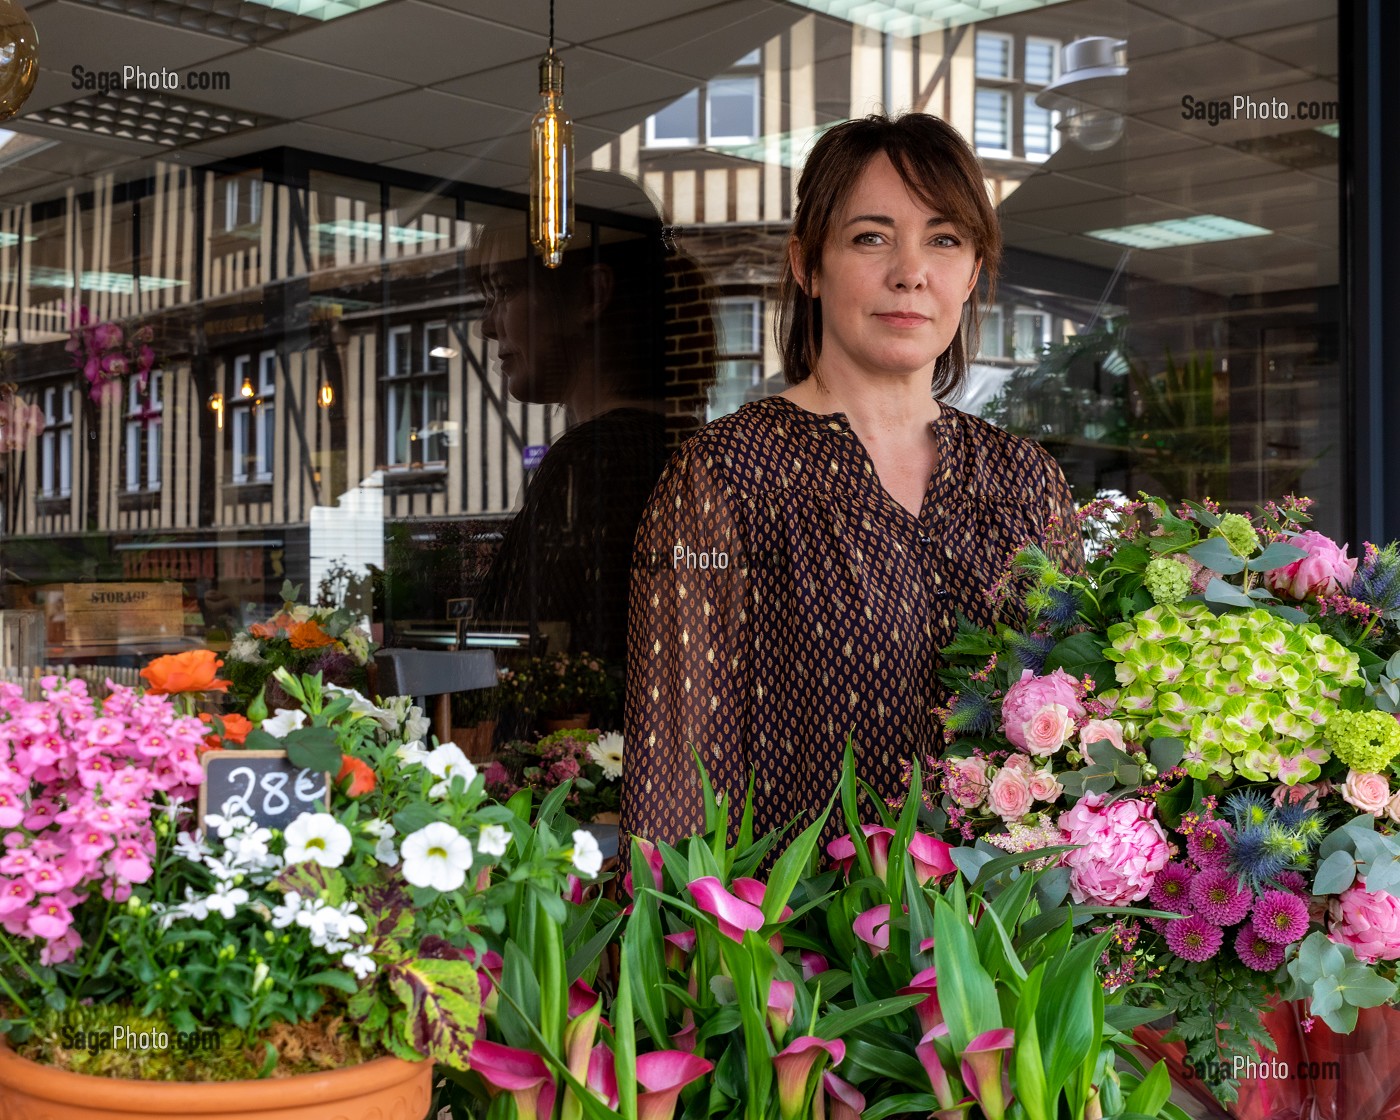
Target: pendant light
<point>551,162</point>
<point>19,58</point>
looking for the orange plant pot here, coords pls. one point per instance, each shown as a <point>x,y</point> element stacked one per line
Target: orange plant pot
<point>384,1089</point>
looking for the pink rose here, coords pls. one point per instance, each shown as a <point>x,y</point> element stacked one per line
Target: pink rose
<point>1392,808</point>
<point>1023,763</point>
<point>1368,921</point>
<point>1100,731</point>
<point>1030,694</point>
<point>965,781</point>
<point>1306,794</point>
<point>1010,794</point>
<point>1123,849</point>
<point>1047,730</point>
<point>1325,570</point>
<point>1044,786</point>
<point>1367,792</point>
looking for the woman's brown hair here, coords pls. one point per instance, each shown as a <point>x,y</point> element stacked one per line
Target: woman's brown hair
<point>940,170</point>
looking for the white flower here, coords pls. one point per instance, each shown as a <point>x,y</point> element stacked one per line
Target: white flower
<point>226,824</point>
<point>417,725</point>
<point>245,648</point>
<point>493,841</point>
<point>360,704</point>
<point>412,753</point>
<point>448,762</point>
<point>261,975</point>
<point>361,964</point>
<point>248,848</point>
<point>286,914</point>
<point>436,856</point>
<point>225,901</point>
<point>384,850</point>
<point>607,753</point>
<point>191,846</point>
<point>284,721</point>
<point>318,837</point>
<point>587,856</point>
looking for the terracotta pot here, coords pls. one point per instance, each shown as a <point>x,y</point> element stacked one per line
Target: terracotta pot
<point>384,1089</point>
<point>477,740</point>
<point>577,722</point>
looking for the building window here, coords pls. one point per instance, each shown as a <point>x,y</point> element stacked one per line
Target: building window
<point>1011,71</point>
<point>242,202</point>
<point>142,433</point>
<point>1030,334</point>
<point>722,111</point>
<point>740,367</point>
<point>417,430</point>
<point>253,416</point>
<point>1042,61</point>
<point>992,128</point>
<point>56,444</point>
<point>993,55</point>
<point>992,336</point>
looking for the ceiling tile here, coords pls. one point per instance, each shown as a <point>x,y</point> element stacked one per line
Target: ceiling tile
<point>279,85</point>
<point>705,42</point>
<point>313,138</point>
<point>430,119</point>
<point>80,35</point>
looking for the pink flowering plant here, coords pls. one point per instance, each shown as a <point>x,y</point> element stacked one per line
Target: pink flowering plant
<point>1210,715</point>
<point>589,761</point>
<point>105,353</point>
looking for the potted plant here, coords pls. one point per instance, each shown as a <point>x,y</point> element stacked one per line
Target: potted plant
<point>589,762</point>
<point>561,690</point>
<point>474,721</point>
<point>322,967</point>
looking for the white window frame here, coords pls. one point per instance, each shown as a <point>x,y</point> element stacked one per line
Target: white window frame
<point>1047,327</point>
<point>731,360</point>
<point>234,189</point>
<point>1010,43</point>
<point>416,383</point>
<point>1039,157</point>
<point>688,141</point>
<point>253,422</point>
<point>56,443</point>
<point>141,432</point>
<point>1009,135</point>
<point>993,327</point>
<point>753,80</point>
<point>1055,48</point>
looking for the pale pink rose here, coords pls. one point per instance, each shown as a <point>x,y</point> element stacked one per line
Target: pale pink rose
<point>1030,694</point>
<point>1325,570</point>
<point>1306,794</point>
<point>1021,762</point>
<point>1368,921</point>
<point>1047,730</point>
<point>1123,849</point>
<point>966,781</point>
<point>1010,794</point>
<point>1099,731</point>
<point>1368,792</point>
<point>1044,786</point>
<point>1392,808</point>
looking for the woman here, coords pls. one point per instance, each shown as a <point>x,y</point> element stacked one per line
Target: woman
<point>803,560</point>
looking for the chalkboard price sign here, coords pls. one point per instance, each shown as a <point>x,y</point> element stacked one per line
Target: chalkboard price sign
<point>262,785</point>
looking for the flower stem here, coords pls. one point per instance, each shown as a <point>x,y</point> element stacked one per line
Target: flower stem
<point>96,950</point>
<point>13,997</point>
<point>19,960</point>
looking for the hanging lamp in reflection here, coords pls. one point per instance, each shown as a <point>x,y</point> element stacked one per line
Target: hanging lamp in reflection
<point>326,397</point>
<point>551,162</point>
<point>246,389</point>
<point>19,58</point>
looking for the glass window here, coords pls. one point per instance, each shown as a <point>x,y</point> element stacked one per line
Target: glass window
<point>992,339</point>
<point>732,105</point>
<point>1042,61</point>
<point>1041,137</point>
<point>992,126</point>
<point>1030,333</point>
<point>56,443</point>
<point>993,55</point>
<point>142,436</point>
<point>253,416</point>
<point>678,123</point>
<point>418,430</point>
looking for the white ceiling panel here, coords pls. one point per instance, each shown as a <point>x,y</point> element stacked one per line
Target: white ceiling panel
<point>428,118</point>
<point>80,35</point>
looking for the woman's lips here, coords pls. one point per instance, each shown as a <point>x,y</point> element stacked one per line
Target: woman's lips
<point>902,318</point>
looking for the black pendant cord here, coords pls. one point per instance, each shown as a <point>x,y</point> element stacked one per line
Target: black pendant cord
<point>551,26</point>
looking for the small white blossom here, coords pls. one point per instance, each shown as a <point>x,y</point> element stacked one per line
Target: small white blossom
<point>360,704</point>
<point>261,975</point>
<point>417,725</point>
<point>361,964</point>
<point>318,837</point>
<point>384,850</point>
<point>226,824</point>
<point>436,856</point>
<point>587,856</point>
<point>493,841</point>
<point>448,762</point>
<point>412,753</point>
<point>192,846</point>
<point>284,721</point>
<point>226,902</point>
<point>286,914</point>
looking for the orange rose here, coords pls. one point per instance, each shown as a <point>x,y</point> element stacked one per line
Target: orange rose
<point>194,671</point>
<point>309,635</point>
<point>263,630</point>
<point>236,728</point>
<point>362,779</point>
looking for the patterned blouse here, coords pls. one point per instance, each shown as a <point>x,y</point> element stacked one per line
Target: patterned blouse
<point>782,600</point>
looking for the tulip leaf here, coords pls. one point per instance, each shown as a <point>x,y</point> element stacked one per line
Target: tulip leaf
<point>644,953</point>
<point>851,809</point>
<point>878,1054</point>
<point>918,1103</point>
<point>1031,1089</point>
<point>625,1044</point>
<point>1152,1092</point>
<point>920,919</point>
<point>839,1023</point>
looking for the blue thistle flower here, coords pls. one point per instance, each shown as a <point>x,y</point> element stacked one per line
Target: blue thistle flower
<point>971,714</point>
<point>1377,584</point>
<point>1291,816</point>
<point>1256,856</point>
<point>1029,650</point>
<point>1249,809</point>
<point>1064,606</point>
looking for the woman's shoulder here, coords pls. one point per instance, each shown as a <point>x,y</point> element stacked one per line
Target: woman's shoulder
<point>990,448</point>
<point>741,449</point>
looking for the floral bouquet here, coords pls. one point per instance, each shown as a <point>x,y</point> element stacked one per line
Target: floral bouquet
<point>103,353</point>
<point>1209,715</point>
<point>590,761</point>
<point>349,934</point>
<point>300,639</point>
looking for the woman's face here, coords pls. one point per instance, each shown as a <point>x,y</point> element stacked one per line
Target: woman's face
<point>525,324</point>
<point>893,279</point>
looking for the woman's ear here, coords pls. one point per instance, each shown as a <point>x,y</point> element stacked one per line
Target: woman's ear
<point>807,283</point>
<point>972,284</point>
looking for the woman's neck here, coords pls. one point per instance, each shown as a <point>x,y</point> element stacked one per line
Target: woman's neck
<point>886,406</point>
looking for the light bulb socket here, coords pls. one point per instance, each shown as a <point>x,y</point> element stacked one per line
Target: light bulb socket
<point>552,74</point>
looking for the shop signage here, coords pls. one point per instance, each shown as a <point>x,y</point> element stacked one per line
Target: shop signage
<point>96,613</point>
<point>263,785</point>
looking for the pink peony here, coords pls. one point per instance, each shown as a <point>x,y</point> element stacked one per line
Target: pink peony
<point>1047,730</point>
<point>1123,849</point>
<point>1368,921</point>
<point>1030,694</point>
<point>965,781</point>
<point>1010,794</point>
<point>1368,792</point>
<point>1325,570</point>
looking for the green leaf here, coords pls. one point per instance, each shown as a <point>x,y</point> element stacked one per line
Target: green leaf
<point>341,981</point>
<point>1166,753</point>
<point>839,1023</point>
<point>790,867</point>
<point>1278,555</point>
<point>1215,553</point>
<point>1361,987</point>
<point>1218,591</point>
<point>1149,1097</point>
<point>313,748</point>
<point>1031,1089</point>
<point>1335,874</point>
<point>443,1003</point>
<point>260,740</point>
<point>412,817</point>
<point>916,1103</point>
<point>1288,614</point>
<point>966,993</point>
<point>1082,655</point>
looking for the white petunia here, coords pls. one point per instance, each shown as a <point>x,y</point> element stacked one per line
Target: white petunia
<point>318,837</point>
<point>493,841</point>
<point>607,753</point>
<point>285,720</point>
<point>360,704</point>
<point>417,725</point>
<point>436,856</point>
<point>412,753</point>
<point>225,901</point>
<point>587,856</point>
<point>361,964</point>
<point>384,850</point>
<point>448,762</point>
<point>286,914</point>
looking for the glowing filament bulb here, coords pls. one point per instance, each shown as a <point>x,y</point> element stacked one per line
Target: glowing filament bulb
<point>551,167</point>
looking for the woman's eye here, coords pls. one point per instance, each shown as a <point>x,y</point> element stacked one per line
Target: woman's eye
<point>869,238</point>
<point>947,240</point>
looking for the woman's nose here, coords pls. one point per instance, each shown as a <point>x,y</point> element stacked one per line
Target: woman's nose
<point>488,322</point>
<point>908,271</point>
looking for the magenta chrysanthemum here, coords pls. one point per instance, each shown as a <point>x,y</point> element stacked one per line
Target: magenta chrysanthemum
<point>1256,952</point>
<point>1194,938</point>
<point>1170,890</point>
<point>1280,917</point>
<point>1219,896</point>
<point>1209,843</point>
<point>1295,883</point>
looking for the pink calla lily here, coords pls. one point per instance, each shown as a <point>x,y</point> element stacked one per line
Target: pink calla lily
<point>678,947</point>
<point>664,1073</point>
<point>579,1036</point>
<point>925,984</point>
<point>983,1064</point>
<point>932,857</point>
<point>873,927</point>
<point>602,1075</point>
<point>654,865</point>
<point>751,891</point>
<point>929,1058</point>
<point>842,850</point>
<point>813,964</point>
<point>734,915</point>
<point>573,890</point>
<point>794,1064</point>
<point>521,1073</point>
<point>581,998</point>
<point>926,945</point>
<point>844,1100</point>
<point>684,1039</point>
<point>781,994</point>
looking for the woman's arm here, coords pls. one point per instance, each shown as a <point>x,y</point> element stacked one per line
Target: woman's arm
<point>687,657</point>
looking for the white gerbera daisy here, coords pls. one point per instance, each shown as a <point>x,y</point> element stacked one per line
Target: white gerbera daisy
<point>607,753</point>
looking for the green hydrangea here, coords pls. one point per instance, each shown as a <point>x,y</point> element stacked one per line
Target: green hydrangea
<point>1249,693</point>
<point>1239,534</point>
<point>1168,581</point>
<point>1365,741</point>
